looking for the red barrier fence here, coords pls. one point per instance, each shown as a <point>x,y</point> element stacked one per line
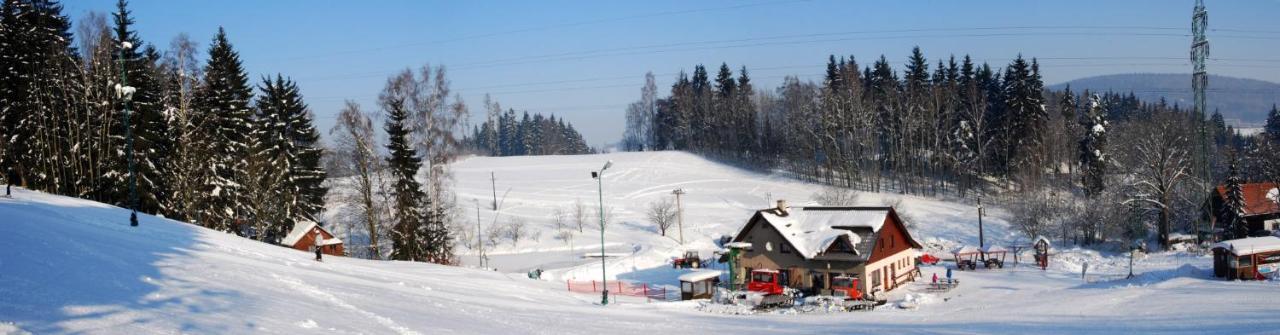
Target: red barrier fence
<point>618,287</point>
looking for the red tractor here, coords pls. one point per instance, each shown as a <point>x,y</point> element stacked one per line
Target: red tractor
<point>690,260</point>
<point>768,291</point>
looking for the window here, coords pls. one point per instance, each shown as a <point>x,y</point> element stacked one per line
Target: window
<point>1246,261</point>
<point>875,278</point>
<point>786,247</point>
<point>881,243</point>
<point>892,241</point>
<point>686,287</point>
<point>700,288</point>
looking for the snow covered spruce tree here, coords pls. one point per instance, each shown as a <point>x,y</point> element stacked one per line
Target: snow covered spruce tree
<point>284,177</point>
<point>151,140</point>
<point>1093,157</point>
<point>224,101</point>
<point>39,93</point>
<point>407,240</point>
<point>184,169</point>
<point>1234,205</point>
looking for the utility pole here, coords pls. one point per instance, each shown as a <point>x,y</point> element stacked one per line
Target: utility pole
<point>981,238</point>
<point>679,213</point>
<point>479,239</point>
<point>1199,82</point>
<point>604,279</point>
<point>493,182</point>
<point>124,92</point>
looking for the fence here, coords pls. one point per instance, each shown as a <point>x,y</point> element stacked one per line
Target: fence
<point>618,287</point>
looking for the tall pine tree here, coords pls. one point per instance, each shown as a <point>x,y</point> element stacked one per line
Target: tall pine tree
<point>223,103</point>
<point>409,220</point>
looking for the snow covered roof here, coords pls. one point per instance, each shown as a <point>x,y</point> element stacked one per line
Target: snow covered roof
<point>994,248</point>
<point>699,275</point>
<point>967,249</point>
<point>811,230</point>
<point>1259,198</point>
<point>1252,245</point>
<point>301,229</point>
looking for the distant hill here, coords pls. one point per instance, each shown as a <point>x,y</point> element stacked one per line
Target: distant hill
<point>1246,101</point>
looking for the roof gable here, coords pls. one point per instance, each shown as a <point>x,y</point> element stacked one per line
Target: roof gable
<point>301,229</point>
<point>813,230</point>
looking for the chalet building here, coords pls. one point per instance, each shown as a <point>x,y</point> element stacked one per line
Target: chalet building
<point>1246,258</point>
<point>811,245</point>
<point>304,237</point>
<point>1261,212</point>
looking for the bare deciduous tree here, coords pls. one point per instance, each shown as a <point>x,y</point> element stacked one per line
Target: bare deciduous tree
<point>1160,163</point>
<point>354,137</point>
<point>662,213</point>
<point>580,214</point>
<point>836,196</point>
<point>517,229</point>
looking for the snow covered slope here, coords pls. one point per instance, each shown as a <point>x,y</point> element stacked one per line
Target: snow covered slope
<point>719,200</point>
<point>75,266</point>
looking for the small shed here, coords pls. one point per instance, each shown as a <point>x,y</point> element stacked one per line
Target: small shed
<point>1246,258</point>
<point>307,234</point>
<point>966,257</point>
<point>699,284</point>
<point>1041,246</point>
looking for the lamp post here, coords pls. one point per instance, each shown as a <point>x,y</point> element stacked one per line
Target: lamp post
<point>125,93</point>
<point>604,279</point>
<point>679,212</point>
<point>981,238</point>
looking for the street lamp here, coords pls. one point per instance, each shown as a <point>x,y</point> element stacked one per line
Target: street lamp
<point>604,280</point>
<point>981,239</point>
<point>125,93</point>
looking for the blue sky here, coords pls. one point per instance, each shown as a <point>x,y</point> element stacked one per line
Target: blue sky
<point>585,60</point>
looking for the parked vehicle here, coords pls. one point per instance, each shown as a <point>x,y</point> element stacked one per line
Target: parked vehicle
<point>691,260</point>
<point>767,290</point>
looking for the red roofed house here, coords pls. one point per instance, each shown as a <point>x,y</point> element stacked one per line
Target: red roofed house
<point>1261,211</point>
<point>307,234</point>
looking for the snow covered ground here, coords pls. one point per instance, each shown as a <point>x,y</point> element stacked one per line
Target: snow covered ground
<point>75,266</point>
<point>718,201</point>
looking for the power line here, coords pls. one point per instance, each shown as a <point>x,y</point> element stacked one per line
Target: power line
<point>545,27</point>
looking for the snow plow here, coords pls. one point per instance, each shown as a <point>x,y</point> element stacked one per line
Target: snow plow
<point>852,299</point>
<point>765,290</point>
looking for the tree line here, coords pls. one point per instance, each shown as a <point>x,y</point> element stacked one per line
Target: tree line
<point>503,134</point>
<point>1086,167</point>
<point>204,150</point>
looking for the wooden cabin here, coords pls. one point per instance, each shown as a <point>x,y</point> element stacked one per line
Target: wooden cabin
<point>307,234</point>
<point>1261,210</point>
<point>699,284</point>
<point>1246,258</point>
<point>811,245</point>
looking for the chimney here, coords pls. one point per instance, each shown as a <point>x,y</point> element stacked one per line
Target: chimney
<point>782,207</point>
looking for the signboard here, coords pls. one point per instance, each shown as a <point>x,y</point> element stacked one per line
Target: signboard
<point>1268,268</point>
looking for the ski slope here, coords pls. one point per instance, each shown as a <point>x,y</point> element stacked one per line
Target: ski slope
<point>75,266</point>
<point>718,201</point>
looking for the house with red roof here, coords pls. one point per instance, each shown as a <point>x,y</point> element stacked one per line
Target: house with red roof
<point>1261,209</point>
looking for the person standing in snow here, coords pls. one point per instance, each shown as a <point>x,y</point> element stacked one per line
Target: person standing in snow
<point>11,177</point>
<point>319,244</point>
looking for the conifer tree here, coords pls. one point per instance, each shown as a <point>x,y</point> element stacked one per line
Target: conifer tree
<point>1093,156</point>
<point>223,101</point>
<point>407,213</point>
<point>1234,205</point>
<point>148,127</point>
